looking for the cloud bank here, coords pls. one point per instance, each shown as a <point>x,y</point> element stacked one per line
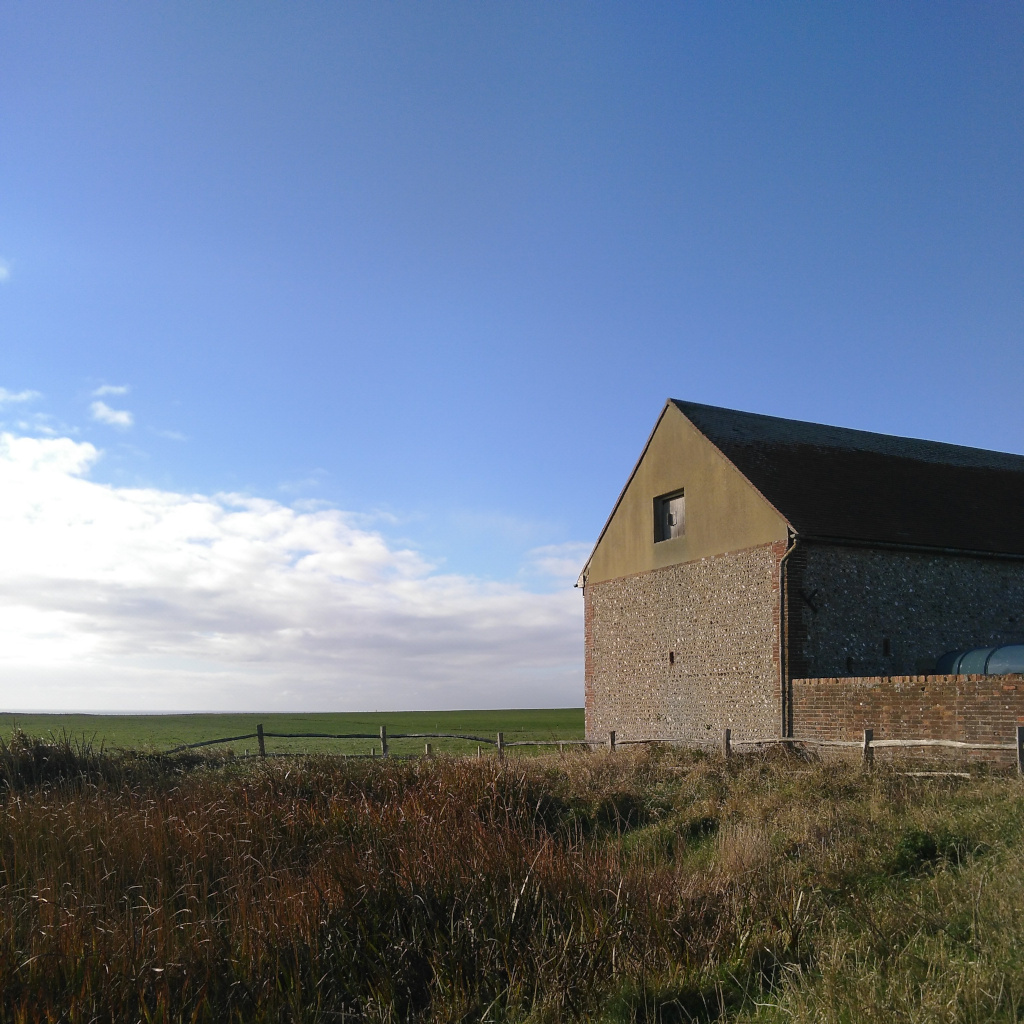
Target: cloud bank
<point>143,599</point>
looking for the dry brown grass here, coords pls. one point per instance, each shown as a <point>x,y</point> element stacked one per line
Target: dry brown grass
<point>657,885</point>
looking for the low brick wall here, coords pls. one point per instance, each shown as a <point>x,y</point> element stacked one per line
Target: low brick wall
<point>973,709</point>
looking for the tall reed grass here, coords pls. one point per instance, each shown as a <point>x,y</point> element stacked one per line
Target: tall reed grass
<point>660,885</point>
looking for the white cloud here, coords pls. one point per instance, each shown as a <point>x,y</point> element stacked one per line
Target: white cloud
<point>5,271</point>
<point>561,563</point>
<point>110,389</point>
<point>145,599</point>
<point>102,413</point>
<point>8,397</point>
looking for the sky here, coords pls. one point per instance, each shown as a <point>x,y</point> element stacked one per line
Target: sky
<point>329,333</point>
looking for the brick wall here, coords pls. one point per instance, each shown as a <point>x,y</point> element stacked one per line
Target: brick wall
<point>973,709</point>
<point>865,612</point>
<point>686,650</point>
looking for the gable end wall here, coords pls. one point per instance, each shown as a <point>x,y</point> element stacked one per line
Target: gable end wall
<point>719,616</point>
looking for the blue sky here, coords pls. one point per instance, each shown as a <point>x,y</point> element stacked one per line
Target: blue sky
<point>436,267</point>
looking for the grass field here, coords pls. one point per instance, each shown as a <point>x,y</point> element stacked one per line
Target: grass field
<point>162,732</point>
<point>656,885</point>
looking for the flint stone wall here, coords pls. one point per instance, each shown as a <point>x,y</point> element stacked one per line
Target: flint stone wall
<point>863,612</point>
<point>688,650</point>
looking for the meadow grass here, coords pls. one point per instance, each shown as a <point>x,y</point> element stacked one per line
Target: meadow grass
<point>650,885</point>
<point>163,732</point>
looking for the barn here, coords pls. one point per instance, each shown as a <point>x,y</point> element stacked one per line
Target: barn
<point>773,577</point>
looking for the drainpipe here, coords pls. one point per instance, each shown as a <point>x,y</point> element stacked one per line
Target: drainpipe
<point>784,631</point>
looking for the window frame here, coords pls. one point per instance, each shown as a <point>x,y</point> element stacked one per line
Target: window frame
<point>662,530</point>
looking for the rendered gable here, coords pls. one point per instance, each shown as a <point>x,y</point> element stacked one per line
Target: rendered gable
<point>724,512</point>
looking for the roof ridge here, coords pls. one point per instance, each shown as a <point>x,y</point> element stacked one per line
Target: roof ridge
<point>738,427</point>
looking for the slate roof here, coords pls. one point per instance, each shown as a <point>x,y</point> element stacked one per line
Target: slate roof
<point>855,485</point>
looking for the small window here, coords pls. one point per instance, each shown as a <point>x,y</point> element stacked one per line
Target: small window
<point>669,516</point>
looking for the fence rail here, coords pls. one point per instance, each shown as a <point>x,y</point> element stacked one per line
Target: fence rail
<point>261,735</point>
<point>813,742</point>
<point>867,744</point>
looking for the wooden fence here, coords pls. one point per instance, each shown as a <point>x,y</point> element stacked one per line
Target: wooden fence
<point>499,742</point>
<point>867,744</point>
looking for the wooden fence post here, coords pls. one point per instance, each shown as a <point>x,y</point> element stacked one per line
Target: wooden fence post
<point>869,754</point>
<point>611,741</point>
<point>259,739</point>
<point>479,752</point>
<point>501,745</point>
<point>426,750</point>
<point>727,743</point>
<point>1020,749</point>
<point>383,741</point>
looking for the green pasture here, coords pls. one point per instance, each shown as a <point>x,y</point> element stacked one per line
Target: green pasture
<point>162,732</point>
